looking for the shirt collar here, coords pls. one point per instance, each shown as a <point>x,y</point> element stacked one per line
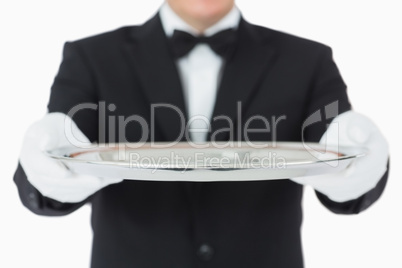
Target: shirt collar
<point>171,21</point>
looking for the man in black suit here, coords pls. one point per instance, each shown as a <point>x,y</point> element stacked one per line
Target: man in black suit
<point>183,224</point>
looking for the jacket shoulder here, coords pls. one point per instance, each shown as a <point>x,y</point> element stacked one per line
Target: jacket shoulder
<point>287,42</point>
<point>106,38</point>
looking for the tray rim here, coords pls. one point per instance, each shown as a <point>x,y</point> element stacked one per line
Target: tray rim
<point>69,150</point>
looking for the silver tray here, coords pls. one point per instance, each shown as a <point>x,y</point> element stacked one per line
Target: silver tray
<point>184,162</point>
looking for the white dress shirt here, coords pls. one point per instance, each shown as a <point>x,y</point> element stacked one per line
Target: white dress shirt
<point>199,70</point>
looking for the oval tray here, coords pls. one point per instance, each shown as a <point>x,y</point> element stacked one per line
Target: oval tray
<point>235,161</point>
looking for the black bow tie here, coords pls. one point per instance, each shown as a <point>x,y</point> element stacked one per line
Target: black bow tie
<point>221,42</point>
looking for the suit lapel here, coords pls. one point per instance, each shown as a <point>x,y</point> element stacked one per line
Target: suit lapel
<point>152,60</point>
<point>243,71</point>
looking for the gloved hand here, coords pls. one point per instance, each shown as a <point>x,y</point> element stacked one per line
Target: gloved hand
<point>362,175</point>
<point>50,177</point>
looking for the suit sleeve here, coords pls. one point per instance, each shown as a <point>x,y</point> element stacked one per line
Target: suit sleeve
<point>73,85</point>
<point>328,98</point>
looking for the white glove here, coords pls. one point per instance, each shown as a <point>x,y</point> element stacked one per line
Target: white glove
<point>50,177</point>
<point>363,174</point>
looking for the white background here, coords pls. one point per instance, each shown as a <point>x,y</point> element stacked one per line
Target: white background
<point>365,37</point>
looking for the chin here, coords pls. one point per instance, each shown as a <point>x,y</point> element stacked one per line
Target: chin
<point>203,9</point>
<point>210,7</point>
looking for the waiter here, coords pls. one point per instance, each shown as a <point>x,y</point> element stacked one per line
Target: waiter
<point>198,61</point>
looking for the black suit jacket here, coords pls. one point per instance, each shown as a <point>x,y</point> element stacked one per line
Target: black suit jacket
<point>182,224</point>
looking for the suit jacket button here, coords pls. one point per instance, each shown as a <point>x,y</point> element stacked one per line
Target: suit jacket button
<point>205,252</point>
<point>33,200</point>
